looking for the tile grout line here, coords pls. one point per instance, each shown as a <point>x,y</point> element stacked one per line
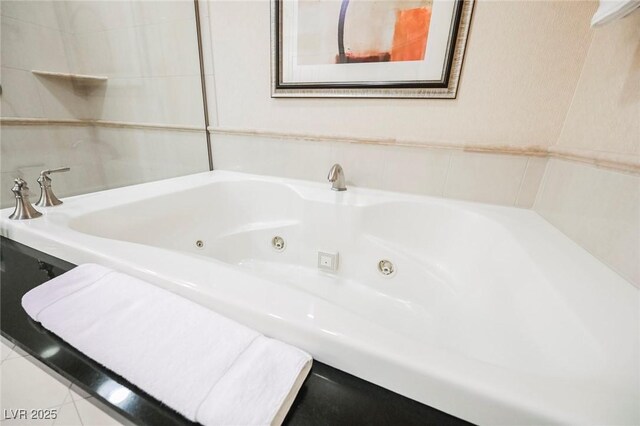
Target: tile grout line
<point>524,175</point>
<point>35,24</point>
<point>44,373</point>
<point>446,177</point>
<point>75,406</point>
<point>541,188</point>
<point>573,95</point>
<point>8,354</point>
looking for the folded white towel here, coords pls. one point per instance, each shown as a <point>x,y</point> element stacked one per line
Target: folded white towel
<point>208,368</point>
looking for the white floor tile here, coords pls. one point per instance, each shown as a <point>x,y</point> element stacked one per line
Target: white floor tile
<point>17,351</point>
<point>40,365</point>
<point>26,422</point>
<point>13,354</point>
<point>10,351</point>
<point>92,415</point>
<point>67,399</point>
<point>68,416</point>
<point>6,351</point>
<point>26,386</point>
<point>77,394</point>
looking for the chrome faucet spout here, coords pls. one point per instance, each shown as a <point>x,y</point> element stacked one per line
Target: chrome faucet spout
<point>336,177</point>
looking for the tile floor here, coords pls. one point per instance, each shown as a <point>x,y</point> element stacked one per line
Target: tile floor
<point>26,385</point>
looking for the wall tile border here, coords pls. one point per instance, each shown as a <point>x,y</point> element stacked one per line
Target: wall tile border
<point>608,160</point>
<point>11,121</point>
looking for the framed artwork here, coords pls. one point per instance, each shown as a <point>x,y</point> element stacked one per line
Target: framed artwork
<point>368,48</point>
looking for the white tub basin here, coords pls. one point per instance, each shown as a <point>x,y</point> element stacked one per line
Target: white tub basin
<point>491,314</point>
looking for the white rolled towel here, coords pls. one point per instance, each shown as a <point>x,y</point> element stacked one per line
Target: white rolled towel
<point>208,368</point>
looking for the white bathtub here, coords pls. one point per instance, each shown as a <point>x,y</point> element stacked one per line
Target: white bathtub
<point>491,314</point>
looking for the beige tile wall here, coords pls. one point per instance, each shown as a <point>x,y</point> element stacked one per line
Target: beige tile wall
<point>100,158</point>
<point>148,51</point>
<point>517,96</point>
<point>604,115</point>
<point>501,179</point>
<point>25,151</point>
<point>143,155</point>
<point>597,208</point>
<point>521,67</point>
<point>600,208</point>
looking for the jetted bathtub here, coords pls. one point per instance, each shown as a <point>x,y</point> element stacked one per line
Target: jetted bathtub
<point>488,313</point>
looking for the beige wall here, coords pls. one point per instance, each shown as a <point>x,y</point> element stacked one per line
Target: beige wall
<point>599,208</point>
<point>605,112</point>
<point>134,44</point>
<point>520,72</point>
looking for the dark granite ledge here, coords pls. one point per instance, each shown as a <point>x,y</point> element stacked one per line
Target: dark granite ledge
<point>328,396</point>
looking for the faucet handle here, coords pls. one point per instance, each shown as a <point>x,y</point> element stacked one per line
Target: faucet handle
<point>24,209</point>
<point>20,187</point>
<point>47,197</point>
<point>58,170</point>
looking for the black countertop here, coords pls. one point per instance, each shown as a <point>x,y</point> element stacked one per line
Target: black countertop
<point>328,396</point>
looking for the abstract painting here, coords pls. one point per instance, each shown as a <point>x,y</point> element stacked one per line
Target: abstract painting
<point>368,48</point>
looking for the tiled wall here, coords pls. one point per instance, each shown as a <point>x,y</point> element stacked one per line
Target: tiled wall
<point>514,98</point>
<point>521,67</point>
<point>99,157</point>
<point>502,179</point>
<point>604,115</point>
<point>597,208</point>
<point>135,45</point>
<point>26,151</point>
<point>33,38</point>
<point>600,208</point>
<point>149,52</point>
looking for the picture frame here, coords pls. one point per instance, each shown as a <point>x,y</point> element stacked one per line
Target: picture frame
<point>419,51</point>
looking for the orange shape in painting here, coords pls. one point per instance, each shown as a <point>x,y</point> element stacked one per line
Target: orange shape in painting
<point>410,34</point>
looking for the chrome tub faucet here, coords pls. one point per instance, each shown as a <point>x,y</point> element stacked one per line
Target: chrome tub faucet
<point>24,209</point>
<point>336,177</point>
